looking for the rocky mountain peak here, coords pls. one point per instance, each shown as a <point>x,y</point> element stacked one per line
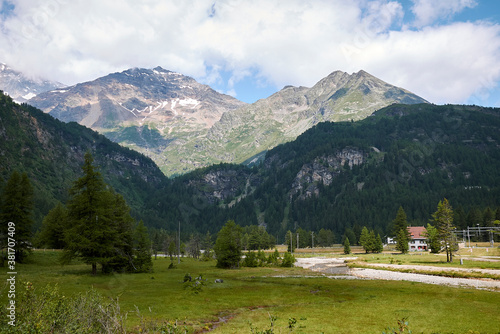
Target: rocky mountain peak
<point>22,87</point>
<point>183,124</point>
<point>138,97</point>
<point>288,113</point>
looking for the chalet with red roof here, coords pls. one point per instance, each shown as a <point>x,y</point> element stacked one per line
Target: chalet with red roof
<point>417,238</point>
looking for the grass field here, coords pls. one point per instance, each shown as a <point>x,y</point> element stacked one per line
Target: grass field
<point>248,295</point>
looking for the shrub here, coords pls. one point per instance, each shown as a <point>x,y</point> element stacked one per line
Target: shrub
<point>250,260</point>
<point>288,260</point>
<point>47,311</point>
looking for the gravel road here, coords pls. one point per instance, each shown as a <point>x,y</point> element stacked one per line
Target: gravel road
<point>337,267</point>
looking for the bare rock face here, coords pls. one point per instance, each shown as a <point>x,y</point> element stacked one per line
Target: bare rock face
<point>323,170</point>
<point>222,184</point>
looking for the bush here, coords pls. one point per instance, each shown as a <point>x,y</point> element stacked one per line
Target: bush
<point>288,260</point>
<point>274,258</point>
<point>47,311</point>
<point>250,260</point>
<point>195,285</point>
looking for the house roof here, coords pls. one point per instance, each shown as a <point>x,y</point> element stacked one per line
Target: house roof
<point>416,232</point>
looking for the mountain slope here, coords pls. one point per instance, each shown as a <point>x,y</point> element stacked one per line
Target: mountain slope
<point>22,88</point>
<point>52,152</point>
<point>350,174</point>
<point>288,113</point>
<point>183,125</point>
<point>144,109</point>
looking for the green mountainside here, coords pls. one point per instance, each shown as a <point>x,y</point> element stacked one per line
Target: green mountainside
<point>51,153</point>
<point>334,176</point>
<point>351,174</point>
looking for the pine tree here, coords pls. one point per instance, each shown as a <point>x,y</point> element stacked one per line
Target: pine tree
<point>379,246</point>
<point>98,219</point>
<point>402,242</point>
<point>488,217</point>
<point>443,220</point>
<point>347,246</point>
<point>143,261</point>
<point>432,240</point>
<point>400,230</point>
<point>53,226</point>
<point>372,242</point>
<point>122,223</point>
<point>17,207</point>
<point>228,246</point>
<point>400,222</point>
<point>364,239</point>
<point>288,260</point>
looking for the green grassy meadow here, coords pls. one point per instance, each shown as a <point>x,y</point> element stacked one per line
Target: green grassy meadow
<point>251,295</point>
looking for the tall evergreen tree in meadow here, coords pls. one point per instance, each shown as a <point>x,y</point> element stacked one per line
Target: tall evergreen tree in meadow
<point>432,240</point>
<point>443,220</point>
<point>228,246</point>
<point>143,261</point>
<point>400,231</point>
<point>379,246</point>
<point>53,226</point>
<point>98,222</point>
<point>401,245</point>
<point>365,240</point>
<point>347,246</point>
<point>122,223</point>
<point>17,207</point>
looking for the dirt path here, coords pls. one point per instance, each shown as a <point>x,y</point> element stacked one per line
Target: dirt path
<point>337,266</point>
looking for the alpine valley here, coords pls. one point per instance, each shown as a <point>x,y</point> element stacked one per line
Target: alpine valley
<point>336,175</point>
<point>182,124</point>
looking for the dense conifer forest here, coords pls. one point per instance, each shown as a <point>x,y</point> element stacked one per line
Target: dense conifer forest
<point>335,178</point>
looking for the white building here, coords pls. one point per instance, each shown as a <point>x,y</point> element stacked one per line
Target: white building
<point>417,239</point>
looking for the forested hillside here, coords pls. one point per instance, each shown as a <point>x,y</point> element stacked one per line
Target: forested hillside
<point>52,152</point>
<point>335,176</point>
<point>352,174</point>
<point>404,155</point>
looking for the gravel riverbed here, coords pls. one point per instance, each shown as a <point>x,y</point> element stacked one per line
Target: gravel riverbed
<point>338,268</point>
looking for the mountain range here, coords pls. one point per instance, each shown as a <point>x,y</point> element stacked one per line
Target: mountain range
<point>182,124</point>
<point>345,175</point>
<point>336,175</point>
<point>21,87</point>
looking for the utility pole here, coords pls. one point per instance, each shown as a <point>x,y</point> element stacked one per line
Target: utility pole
<point>297,239</point>
<point>291,242</point>
<point>312,241</point>
<point>468,234</point>
<point>179,245</point>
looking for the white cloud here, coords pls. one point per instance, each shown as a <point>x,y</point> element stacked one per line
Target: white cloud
<point>442,64</point>
<point>279,43</point>
<point>428,11</point>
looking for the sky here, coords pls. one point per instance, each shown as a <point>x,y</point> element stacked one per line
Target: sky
<point>446,51</point>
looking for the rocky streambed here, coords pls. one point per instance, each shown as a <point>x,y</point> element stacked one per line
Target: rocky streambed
<point>338,269</point>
